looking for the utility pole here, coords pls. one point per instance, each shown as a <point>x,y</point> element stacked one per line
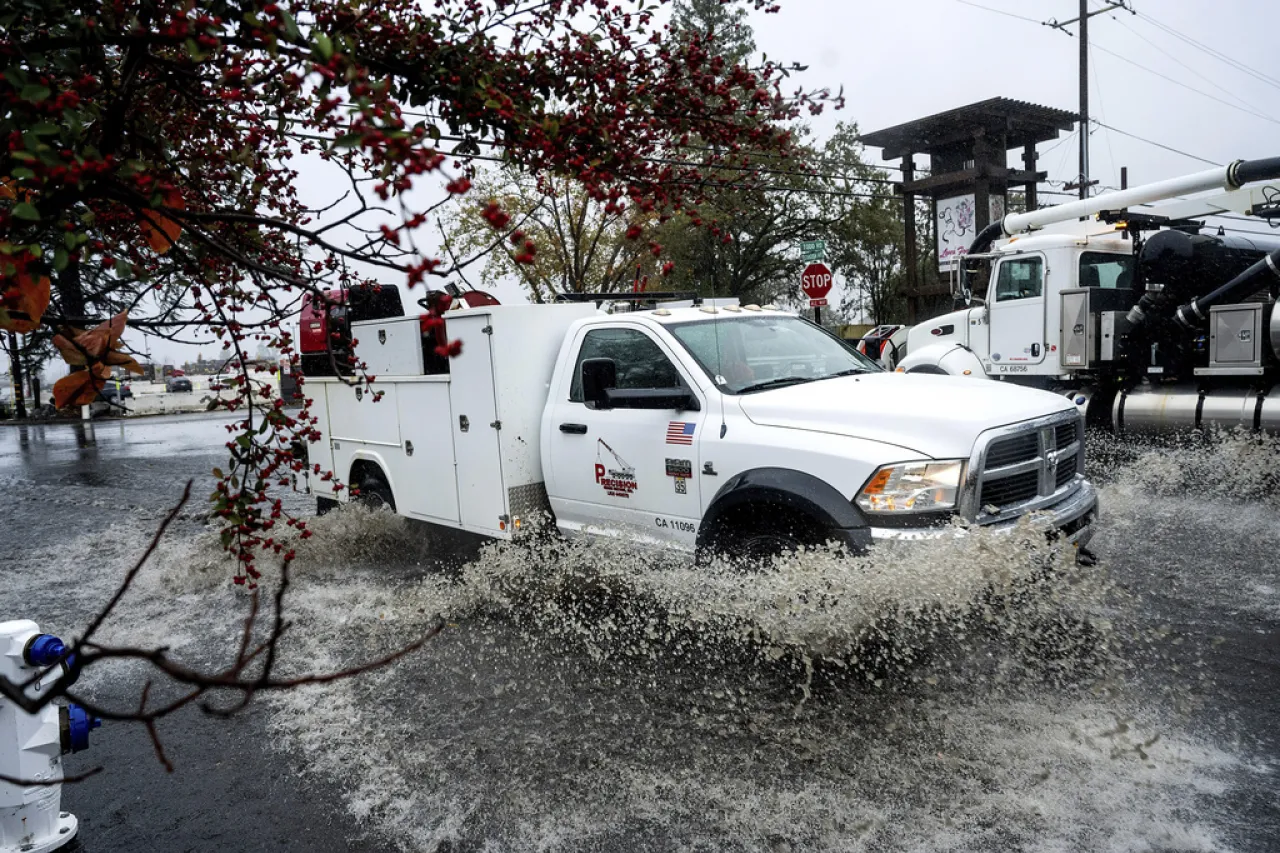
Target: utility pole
<point>1082,183</point>
<point>1084,99</point>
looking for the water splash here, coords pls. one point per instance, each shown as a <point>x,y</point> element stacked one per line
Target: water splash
<point>976,694</point>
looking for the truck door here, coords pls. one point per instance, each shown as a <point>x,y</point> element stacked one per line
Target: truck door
<point>626,470</point>
<point>1017,313</point>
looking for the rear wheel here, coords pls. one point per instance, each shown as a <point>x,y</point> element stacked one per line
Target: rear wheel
<point>325,505</point>
<point>374,491</point>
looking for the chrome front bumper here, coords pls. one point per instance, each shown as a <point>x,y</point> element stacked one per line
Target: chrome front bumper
<point>1075,515</point>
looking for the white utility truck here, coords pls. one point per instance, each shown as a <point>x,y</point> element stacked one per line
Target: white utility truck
<point>720,428</point>
<point>1145,318</point>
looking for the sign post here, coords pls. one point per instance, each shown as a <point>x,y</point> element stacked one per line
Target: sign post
<point>815,281</point>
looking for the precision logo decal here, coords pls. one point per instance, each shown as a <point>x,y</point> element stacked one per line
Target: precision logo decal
<point>619,481</point>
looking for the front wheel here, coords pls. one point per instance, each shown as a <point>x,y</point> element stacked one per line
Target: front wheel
<point>755,537</point>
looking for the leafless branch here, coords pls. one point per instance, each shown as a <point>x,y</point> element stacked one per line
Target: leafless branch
<point>250,671</point>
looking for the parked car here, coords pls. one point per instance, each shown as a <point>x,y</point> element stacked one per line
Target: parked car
<point>115,390</point>
<point>177,384</point>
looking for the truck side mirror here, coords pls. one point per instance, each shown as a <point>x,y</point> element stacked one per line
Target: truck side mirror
<point>598,376</point>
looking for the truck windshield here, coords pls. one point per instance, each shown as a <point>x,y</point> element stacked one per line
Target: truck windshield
<point>747,354</point>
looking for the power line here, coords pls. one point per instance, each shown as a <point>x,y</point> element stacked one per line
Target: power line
<point>1216,54</point>
<point>1199,74</point>
<point>998,11</point>
<point>1157,144</point>
<point>1102,111</point>
<point>1200,92</point>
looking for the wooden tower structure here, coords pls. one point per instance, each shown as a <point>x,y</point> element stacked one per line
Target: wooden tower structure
<point>968,175</point>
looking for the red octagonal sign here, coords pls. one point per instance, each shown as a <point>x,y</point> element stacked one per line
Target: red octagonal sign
<point>815,281</point>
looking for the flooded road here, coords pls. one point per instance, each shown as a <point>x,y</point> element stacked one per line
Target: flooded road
<point>594,697</point>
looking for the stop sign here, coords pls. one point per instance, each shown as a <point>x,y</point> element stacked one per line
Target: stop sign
<point>815,281</point>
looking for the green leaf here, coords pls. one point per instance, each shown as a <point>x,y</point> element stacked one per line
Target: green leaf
<point>44,128</point>
<point>69,239</point>
<point>60,259</point>
<point>348,140</point>
<point>324,46</point>
<point>290,25</point>
<point>21,172</point>
<point>217,473</point>
<point>244,441</point>
<point>35,93</point>
<point>26,210</point>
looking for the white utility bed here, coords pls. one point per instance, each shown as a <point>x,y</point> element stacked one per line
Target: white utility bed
<point>458,449</point>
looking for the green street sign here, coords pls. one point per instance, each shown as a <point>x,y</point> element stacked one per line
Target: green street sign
<point>813,250</point>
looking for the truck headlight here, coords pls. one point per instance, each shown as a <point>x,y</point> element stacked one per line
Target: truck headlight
<point>909,487</point>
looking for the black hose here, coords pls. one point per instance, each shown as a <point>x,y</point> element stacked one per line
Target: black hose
<point>986,237</point>
<point>1243,172</point>
<point>1194,313</point>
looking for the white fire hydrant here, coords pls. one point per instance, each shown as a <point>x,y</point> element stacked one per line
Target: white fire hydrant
<point>32,745</point>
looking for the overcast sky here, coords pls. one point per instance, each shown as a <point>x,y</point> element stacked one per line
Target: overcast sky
<point>907,59</point>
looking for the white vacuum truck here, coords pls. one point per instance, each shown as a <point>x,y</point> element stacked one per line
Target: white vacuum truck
<point>1144,318</point>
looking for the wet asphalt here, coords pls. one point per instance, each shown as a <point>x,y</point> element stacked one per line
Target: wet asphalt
<point>236,788</point>
<point>229,790</point>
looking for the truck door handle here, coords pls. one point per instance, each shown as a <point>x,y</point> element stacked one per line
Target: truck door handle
<point>574,429</point>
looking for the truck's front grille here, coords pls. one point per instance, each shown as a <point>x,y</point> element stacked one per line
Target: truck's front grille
<point>1066,471</point>
<point>1029,467</point>
<point>1009,491</point>
<point>1012,450</point>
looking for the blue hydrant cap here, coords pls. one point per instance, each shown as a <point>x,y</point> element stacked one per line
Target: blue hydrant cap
<point>80,723</point>
<point>45,650</point>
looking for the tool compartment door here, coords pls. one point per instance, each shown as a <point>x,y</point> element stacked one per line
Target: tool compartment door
<point>426,483</point>
<point>482,495</point>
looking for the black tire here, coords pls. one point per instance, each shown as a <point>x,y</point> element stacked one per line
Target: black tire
<point>374,491</point>
<point>325,506</point>
<point>754,536</point>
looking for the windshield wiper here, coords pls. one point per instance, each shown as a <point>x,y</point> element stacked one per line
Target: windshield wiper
<point>851,371</point>
<point>779,382</point>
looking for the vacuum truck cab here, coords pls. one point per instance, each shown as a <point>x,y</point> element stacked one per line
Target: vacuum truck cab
<point>1017,332</point>
<point>724,428</point>
<point>1146,320</point>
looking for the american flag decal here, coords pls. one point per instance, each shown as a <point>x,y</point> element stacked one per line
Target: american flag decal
<point>679,432</point>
